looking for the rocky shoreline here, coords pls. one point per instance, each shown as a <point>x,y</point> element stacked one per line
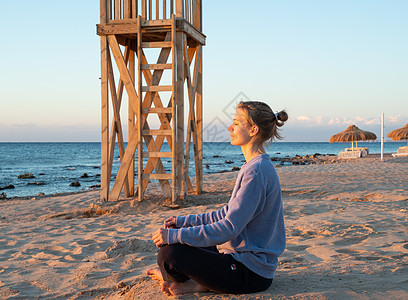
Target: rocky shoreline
<point>316,158</point>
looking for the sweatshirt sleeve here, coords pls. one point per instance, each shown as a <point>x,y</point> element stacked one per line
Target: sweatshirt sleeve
<point>240,210</point>
<point>201,219</point>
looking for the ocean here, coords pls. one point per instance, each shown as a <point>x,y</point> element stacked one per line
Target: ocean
<point>56,165</point>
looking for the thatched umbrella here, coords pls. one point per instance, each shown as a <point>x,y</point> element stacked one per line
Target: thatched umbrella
<point>399,134</point>
<point>351,134</point>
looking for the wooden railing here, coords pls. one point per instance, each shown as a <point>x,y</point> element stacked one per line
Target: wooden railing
<point>190,10</point>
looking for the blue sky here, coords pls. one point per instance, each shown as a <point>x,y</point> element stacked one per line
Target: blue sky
<point>328,63</point>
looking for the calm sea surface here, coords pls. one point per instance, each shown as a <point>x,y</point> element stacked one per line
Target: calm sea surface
<point>56,165</point>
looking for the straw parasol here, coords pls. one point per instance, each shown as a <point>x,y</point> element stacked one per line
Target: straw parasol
<point>399,134</point>
<point>351,134</point>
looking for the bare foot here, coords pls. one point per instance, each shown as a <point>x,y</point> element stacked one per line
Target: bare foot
<point>155,274</point>
<point>165,285</point>
<point>179,288</point>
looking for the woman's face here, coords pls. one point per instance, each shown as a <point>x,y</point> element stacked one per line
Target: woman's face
<point>240,129</point>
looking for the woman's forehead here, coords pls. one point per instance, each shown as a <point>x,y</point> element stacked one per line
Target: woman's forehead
<point>240,114</point>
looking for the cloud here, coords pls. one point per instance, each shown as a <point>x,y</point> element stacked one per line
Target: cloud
<point>304,118</point>
<point>398,119</point>
<point>320,128</point>
<point>357,120</point>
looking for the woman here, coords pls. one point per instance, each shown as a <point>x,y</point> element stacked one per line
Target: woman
<point>235,249</point>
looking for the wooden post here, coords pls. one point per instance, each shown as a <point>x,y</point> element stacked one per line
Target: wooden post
<point>139,110</point>
<point>174,106</point>
<point>144,9</point>
<point>179,100</point>
<point>200,17</point>
<point>105,179</point>
<point>180,8</point>
<point>135,9</point>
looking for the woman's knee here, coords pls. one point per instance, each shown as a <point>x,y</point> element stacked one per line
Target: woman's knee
<point>170,254</point>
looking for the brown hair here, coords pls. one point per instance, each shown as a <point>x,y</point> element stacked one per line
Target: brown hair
<point>261,115</point>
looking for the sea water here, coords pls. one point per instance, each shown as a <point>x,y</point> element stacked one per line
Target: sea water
<point>56,165</point>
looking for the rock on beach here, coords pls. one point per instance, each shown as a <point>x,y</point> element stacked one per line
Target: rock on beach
<point>7,187</point>
<point>26,176</point>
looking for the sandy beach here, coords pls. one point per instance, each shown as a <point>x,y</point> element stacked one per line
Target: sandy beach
<point>346,225</point>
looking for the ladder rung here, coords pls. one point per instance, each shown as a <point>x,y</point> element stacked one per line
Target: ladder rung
<point>157,132</point>
<point>157,88</point>
<point>157,154</point>
<point>156,44</point>
<point>157,110</point>
<point>157,176</point>
<point>156,66</point>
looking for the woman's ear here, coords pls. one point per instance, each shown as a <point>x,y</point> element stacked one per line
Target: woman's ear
<point>254,130</point>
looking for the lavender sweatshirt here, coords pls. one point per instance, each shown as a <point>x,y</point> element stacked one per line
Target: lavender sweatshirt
<point>250,227</point>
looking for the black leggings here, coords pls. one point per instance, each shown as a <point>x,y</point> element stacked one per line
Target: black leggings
<point>218,272</point>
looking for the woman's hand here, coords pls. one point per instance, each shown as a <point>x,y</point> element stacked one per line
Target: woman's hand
<point>170,222</point>
<point>159,237</point>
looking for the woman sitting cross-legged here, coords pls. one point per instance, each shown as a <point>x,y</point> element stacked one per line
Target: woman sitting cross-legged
<point>235,249</point>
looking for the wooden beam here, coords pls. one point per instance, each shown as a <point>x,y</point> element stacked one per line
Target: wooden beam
<point>163,176</point>
<point>157,110</point>
<point>134,141</point>
<point>131,124</point>
<point>125,9</point>
<point>199,119</point>
<point>117,128</point>
<point>105,177</point>
<point>146,23</point>
<point>108,29</point>
<point>156,66</point>
<point>157,88</point>
<point>178,96</point>
<point>124,72</point>
<point>180,8</point>
<point>144,9</point>
<point>158,154</point>
<point>191,31</point>
<point>156,45</point>
<point>156,132</point>
<point>174,193</point>
<point>117,9</point>
<point>134,9</point>
<point>191,125</point>
<point>138,109</point>
<point>103,11</point>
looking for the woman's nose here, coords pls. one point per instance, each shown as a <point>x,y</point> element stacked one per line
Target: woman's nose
<point>230,128</point>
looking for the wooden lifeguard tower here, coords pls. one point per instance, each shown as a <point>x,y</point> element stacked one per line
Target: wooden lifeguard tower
<point>129,29</point>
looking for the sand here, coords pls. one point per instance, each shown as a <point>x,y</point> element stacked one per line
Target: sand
<point>346,224</point>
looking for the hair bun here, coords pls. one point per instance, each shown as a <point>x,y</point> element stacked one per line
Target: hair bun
<point>282,117</point>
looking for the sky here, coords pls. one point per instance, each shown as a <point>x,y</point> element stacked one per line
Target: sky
<point>329,63</point>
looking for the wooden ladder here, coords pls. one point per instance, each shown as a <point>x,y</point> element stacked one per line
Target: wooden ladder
<point>148,95</point>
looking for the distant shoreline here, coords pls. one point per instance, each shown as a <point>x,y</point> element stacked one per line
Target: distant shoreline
<point>284,162</point>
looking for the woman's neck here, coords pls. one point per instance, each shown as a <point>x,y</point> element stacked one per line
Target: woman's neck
<point>252,150</point>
